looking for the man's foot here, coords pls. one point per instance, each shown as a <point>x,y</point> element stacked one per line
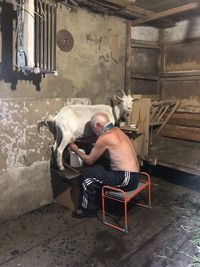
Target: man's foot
<point>84,213</point>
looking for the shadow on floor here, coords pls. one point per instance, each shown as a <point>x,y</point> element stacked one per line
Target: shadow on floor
<point>174,176</point>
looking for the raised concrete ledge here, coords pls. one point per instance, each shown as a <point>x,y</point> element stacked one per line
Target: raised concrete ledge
<point>24,189</point>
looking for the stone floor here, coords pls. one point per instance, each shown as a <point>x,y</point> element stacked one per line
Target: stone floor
<point>161,236</point>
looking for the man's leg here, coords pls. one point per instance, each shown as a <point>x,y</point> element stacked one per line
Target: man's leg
<point>92,179</point>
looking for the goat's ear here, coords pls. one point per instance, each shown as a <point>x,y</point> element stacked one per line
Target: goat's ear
<point>116,97</point>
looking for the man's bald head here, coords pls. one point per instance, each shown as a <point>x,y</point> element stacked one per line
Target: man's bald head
<point>99,118</point>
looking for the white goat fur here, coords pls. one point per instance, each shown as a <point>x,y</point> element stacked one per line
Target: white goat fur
<point>73,121</point>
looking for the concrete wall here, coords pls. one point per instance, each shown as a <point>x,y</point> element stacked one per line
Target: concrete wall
<point>89,70</point>
<point>182,62</point>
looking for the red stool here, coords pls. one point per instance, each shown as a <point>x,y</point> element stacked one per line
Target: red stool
<point>124,197</point>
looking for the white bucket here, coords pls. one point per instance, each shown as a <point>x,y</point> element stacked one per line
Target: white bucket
<point>75,160</point>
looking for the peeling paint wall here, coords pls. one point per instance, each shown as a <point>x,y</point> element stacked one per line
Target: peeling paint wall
<point>25,154</point>
<point>20,142</point>
<point>87,71</point>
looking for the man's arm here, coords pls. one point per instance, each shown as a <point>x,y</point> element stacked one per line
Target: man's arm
<point>98,149</point>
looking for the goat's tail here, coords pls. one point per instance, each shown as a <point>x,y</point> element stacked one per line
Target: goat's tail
<point>41,124</point>
<point>50,124</point>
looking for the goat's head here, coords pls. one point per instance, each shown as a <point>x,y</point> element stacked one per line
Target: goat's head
<point>124,102</point>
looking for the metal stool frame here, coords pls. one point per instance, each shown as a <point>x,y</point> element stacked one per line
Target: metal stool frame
<point>124,197</point>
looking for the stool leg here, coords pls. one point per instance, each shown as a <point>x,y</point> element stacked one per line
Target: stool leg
<point>103,206</point>
<point>125,216</point>
<point>149,192</point>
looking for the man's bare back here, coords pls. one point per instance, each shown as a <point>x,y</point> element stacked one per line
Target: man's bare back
<point>115,141</point>
<point>121,151</point>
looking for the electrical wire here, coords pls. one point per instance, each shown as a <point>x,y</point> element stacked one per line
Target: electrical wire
<point>42,10</point>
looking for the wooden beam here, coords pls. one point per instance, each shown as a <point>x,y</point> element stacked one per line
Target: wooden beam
<point>187,123</point>
<point>144,12</point>
<point>144,44</point>
<point>116,3</point>
<point>166,13</point>
<point>145,77</point>
<point>120,2</point>
<point>186,116</point>
<point>128,57</point>
<point>181,132</point>
<point>129,7</point>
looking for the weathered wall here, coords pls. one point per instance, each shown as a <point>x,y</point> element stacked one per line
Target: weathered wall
<point>144,33</point>
<point>145,60</point>
<point>88,70</point>
<point>181,62</point>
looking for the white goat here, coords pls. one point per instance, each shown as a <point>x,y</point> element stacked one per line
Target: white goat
<point>73,121</point>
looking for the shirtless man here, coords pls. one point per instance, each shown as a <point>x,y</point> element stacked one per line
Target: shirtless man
<point>124,167</point>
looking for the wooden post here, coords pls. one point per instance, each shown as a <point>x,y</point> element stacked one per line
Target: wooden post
<point>128,57</point>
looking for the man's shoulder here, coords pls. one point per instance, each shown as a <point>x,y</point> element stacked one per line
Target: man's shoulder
<point>109,136</point>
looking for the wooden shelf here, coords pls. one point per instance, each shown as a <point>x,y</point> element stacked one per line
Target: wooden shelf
<point>131,130</point>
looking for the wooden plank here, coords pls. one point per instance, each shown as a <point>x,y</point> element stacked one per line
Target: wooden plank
<point>183,122</point>
<point>140,116</point>
<point>144,12</point>
<point>186,116</point>
<point>116,3</point>
<point>127,5</point>
<point>158,113</point>
<point>190,109</point>
<point>145,117</point>
<point>168,117</point>
<point>145,77</point>
<point>164,102</point>
<point>181,132</point>
<point>142,44</point>
<point>128,57</point>
<point>186,119</point>
<point>180,74</point>
<point>166,13</point>
<point>69,172</point>
<point>155,97</point>
<point>164,110</point>
<point>153,114</point>
<point>123,3</point>
<point>181,78</point>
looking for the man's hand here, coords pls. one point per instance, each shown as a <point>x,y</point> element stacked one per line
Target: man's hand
<point>74,147</point>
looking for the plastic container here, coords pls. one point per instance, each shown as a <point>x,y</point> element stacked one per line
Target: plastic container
<point>76,161</point>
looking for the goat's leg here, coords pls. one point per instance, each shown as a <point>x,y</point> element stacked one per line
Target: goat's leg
<point>60,149</point>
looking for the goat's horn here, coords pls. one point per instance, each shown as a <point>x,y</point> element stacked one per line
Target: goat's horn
<point>129,91</point>
<point>122,91</point>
